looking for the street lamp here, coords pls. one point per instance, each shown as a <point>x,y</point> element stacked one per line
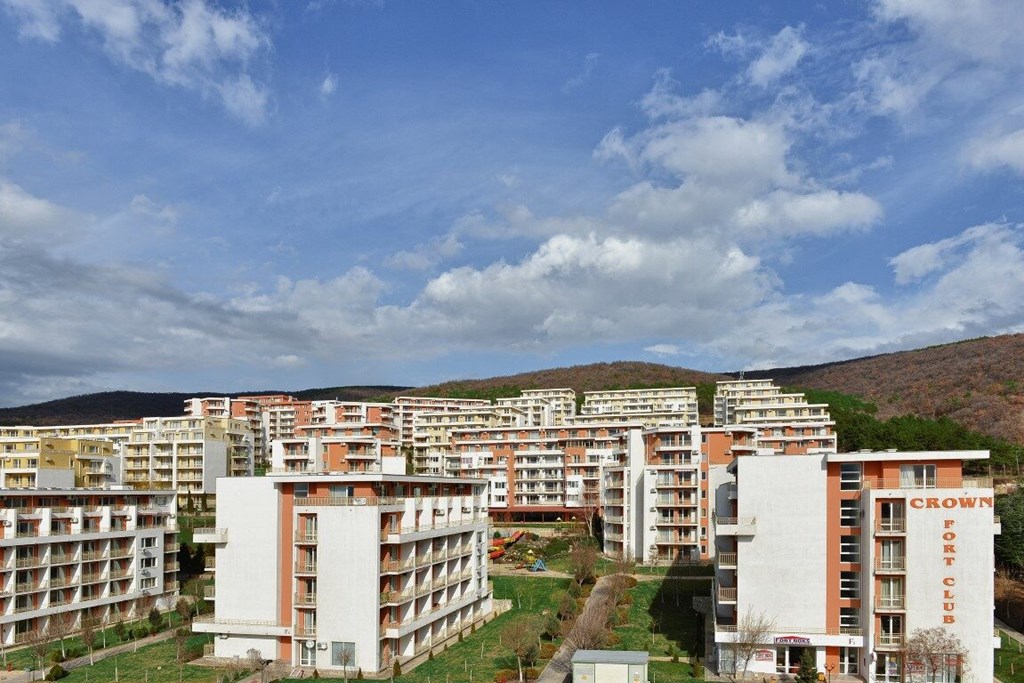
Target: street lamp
<point>829,668</point>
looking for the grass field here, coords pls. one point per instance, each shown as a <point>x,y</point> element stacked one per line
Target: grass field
<point>668,606</point>
<point>1009,660</point>
<point>154,663</point>
<point>671,672</point>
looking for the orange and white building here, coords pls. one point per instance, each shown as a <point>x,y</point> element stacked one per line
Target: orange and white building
<point>343,437</point>
<point>786,423</point>
<point>83,555</point>
<point>245,409</point>
<point>848,554</point>
<point>407,408</point>
<point>650,407</point>
<point>346,571</point>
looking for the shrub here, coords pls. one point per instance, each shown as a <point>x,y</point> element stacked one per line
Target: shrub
<point>460,636</point>
<point>56,657</point>
<point>56,673</point>
<point>626,599</point>
<point>396,670</point>
<point>430,655</point>
<point>316,674</point>
<point>575,590</point>
<point>472,627</point>
<point>119,630</point>
<point>359,674</point>
<point>497,534</point>
<point>698,669</point>
<point>630,582</point>
<point>548,650</point>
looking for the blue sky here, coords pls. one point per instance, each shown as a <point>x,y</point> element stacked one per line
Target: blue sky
<point>227,196</point>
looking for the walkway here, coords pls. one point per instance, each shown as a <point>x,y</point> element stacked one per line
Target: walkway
<point>559,669</point>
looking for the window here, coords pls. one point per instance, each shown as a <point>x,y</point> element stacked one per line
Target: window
<point>147,542</point>
<point>148,562</point>
<point>301,490</point>
<point>341,491</point>
<point>849,549</point>
<point>849,513</point>
<point>849,585</point>
<point>147,584</point>
<point>849,476</point>
<point>343,654</point>
<point>849,617</point>
<point>917,476</point>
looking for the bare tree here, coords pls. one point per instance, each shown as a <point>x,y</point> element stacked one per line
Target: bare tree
<point>591,629</point>
<point>143,606</point>
<point>38,642</point>
<point>184,609</point>
<point>88,636</point>
<point>582,561</point>
<point>60,626</point>
<point>346,659</point>
<point>256,661</point>
<point>934,651</point>
<point>522,637</point>
<point>753,632</point>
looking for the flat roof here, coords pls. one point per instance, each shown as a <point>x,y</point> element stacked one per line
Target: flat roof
<point>609,657</point>
<point>893,454</point>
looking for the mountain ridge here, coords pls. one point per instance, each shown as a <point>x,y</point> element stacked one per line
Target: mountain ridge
<point>979,383</point>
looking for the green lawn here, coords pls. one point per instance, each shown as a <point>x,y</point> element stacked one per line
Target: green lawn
<point>670,672</point>
<point>1009,660</point>
<point>154,663</point>
<point>670,605</point>
<point>479,657</point>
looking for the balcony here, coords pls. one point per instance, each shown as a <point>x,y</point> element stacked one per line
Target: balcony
<point>886,565</point>
<point>305,631</point>
<point>735,526</point>
<point>251,627</point>
<point>925,484</point>
<point>305,568</point>
<point>896,526</point>
<point>305,537</point>
<point>727,560</point>
<point>889,640</point>
<point>210,592</point>
<point>210,535</point>
<point>887,603</point>
<point>305,599</point>
<point>727,595</point>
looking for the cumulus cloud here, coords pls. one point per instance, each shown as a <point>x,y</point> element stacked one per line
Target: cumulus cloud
<point>194,44</point>
<point>998,151</point>
<point>25,216</point>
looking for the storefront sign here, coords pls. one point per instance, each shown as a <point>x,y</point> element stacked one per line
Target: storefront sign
<point>764,656</point>
<point>792,640</point>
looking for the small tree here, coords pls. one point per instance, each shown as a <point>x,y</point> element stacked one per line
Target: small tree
<point>184,609</point>
<point>88,636</point>
<point>256,661</point>
<point>346,659</point>
<point>155,620</point>
<point>582,561</point>
<point>934,651</point>
<point>120,631</point>
<point>808,671</point>
<point>522,637</point>
<point>753,631</point>
<point>61,625</point>
<point>591,629</point>
<point>38,642</point>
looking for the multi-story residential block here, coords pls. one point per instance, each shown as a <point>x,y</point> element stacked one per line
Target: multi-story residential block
<point>787,423</point>
<point>187,455</point>
<point>83,555</point>
<point>246,409</point>
<point>343,437</point>
<point>432,445</point>
<point>677,405</point>
<point>848,555</point>
<point>33,461</point>
<point>408,407</point>
<point>544,407</point>
<point>347,571</point>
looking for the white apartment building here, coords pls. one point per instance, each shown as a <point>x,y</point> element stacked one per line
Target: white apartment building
<point>848,554</point>
<point>544,407</point>
<point>247,410</point>
<point>433,453</point>
<point>675,405</point>
<point>346,571</point>
<point>408,407</point>
<point>83,554</point>
<point>31,461</point>
<point>787,423</point>
<point>187,455</point>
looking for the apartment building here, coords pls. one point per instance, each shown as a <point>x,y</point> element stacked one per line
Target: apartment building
<point>187,454</point>
<point>848,554</point>
<point>544,407</point>
<point>432,431</point>
<point>343,437</point>
<point>676,405</point>
<point>407,408</point>
<point>346,571</point>
<point>83,555</point>
<point>31,461</point>
<point>787,423</point>
<point>245,409</point>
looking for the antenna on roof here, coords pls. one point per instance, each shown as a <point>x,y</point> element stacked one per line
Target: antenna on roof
<point>741,374</point>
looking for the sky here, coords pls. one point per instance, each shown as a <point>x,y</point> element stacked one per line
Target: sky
<point>203,195</point>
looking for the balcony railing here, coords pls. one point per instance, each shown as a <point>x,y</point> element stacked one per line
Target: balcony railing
<point>305,536</point>
<point>889,639</point>
<point>927,483</point>
<point>893,602</point>
<point>890,564</point>
<point>305,599</point>
<point>891,526</point>
<point>210,592</point>
<point>726,559</point>
<point>305,567</point>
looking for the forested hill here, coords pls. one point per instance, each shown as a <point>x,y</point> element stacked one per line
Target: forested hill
<point>108,406</point>
<point>977,383</point>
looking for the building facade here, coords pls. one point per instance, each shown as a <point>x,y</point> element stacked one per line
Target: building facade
<point>885,544</point>
<point>73,555</point>
<point>348,571</point>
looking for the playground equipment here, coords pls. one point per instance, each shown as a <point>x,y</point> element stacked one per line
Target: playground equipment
<point>538,566</point>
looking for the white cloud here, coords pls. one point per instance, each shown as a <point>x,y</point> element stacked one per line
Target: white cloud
<point>193,44</point>
<point>581,78</point>
<point>25,216</point>
<point>998,151</point>
<point>427,255</point>
<point>328,85</point>
<point>779,57</point>
<point>664,349</point>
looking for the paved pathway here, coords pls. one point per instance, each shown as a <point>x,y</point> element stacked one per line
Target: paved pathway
<point>559,669</point>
